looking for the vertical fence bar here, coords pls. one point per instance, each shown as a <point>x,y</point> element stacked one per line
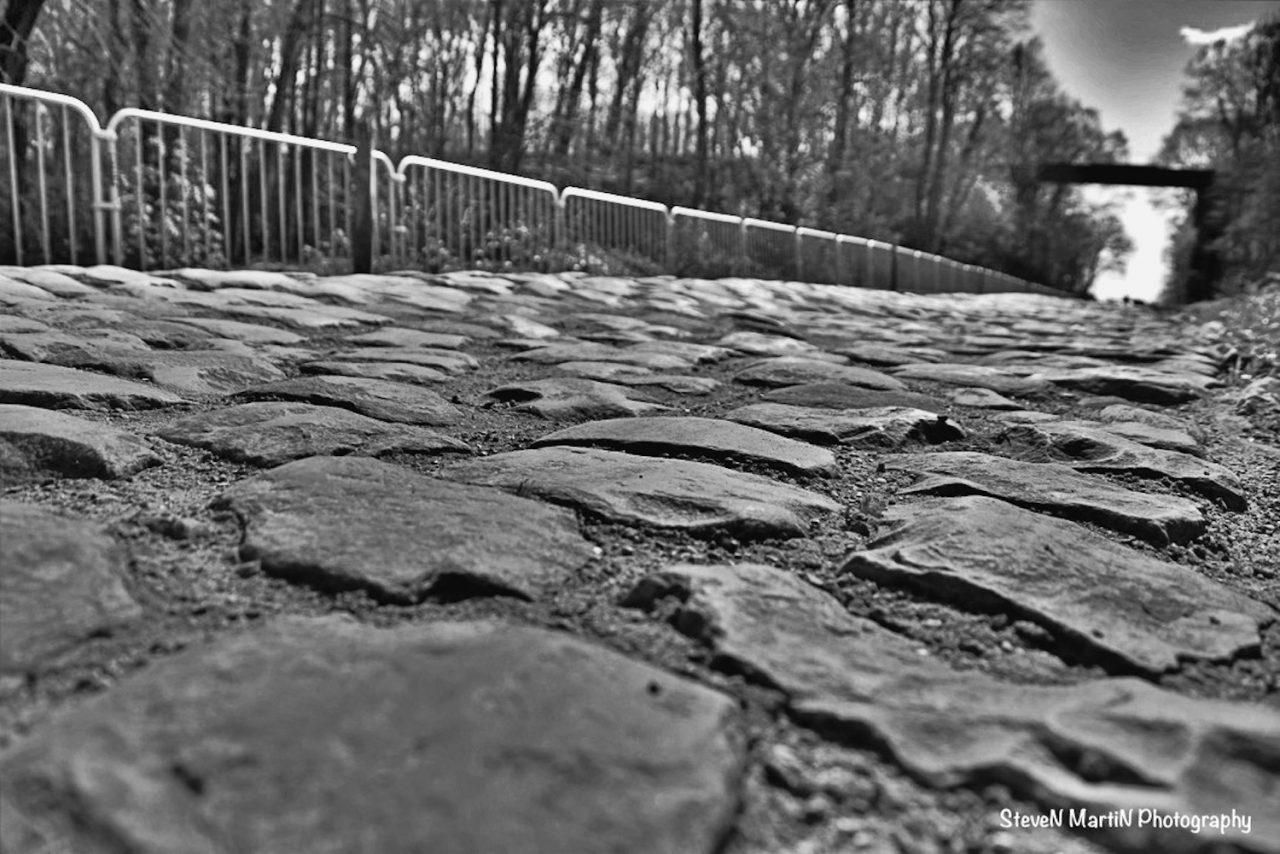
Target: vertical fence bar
<point>69,181</point>
<point>15,204</point>
<point>224,183</point>
<point>282,205</point>
<point>183,189</point>
<point>41,183</point>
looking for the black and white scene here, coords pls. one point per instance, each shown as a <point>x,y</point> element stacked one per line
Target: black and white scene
<point>656,426</point>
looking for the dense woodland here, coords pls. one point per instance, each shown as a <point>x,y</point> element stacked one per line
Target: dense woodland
<point>912,121</point>
<point>1230,122</point>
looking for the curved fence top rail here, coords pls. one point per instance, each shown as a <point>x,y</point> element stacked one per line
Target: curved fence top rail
<point>598,196</point>
<point>476,172</point>
<point>752,222</point>
<point>90,118</point>
<point>805,231</point>
<point>222,127</point>
<point>711,215</point>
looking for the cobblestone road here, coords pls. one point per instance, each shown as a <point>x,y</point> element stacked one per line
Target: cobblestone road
<point>505,563</point>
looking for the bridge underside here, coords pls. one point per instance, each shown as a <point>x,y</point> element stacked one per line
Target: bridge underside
<point>1125,174</point>
<point>1205,268</point>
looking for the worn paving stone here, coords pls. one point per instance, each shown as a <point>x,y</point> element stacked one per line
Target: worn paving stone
<point>61,583</point>
<point>888,356</point>
<point>977,376</point>
<point>1095,449</point>
<point>589,352</point>
<point>982,398</point>
<point>84,348</point>
<point>634,490</point>
<point>883,427</point>
<point>1054,488</point>
<point>394,336</point>
<point>317,316</point>
<point>58,284</point>
<point>38,443</point>
<point>449,361</point>
<point>13,291</point>
<point>249,333</point>
<point>630,375</point>
<point>269,433</point>
<point>1131,382</point>
<point>1146,433</point>
<point>401,372</point>
<point>791,370</point>
<point>56,387</point>
<point>762,344</point>
<point>325,735</point>
<point>711,437</point>
<point>1100,745</point>
<point>386,401</point>
<point>842,396</point>
<point>353,522</point>
<point>573,399</point>
<point>1100,599</point>
<point>196,371</point>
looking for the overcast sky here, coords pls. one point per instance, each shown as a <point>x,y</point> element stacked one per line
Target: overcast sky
<point>1125,58</point>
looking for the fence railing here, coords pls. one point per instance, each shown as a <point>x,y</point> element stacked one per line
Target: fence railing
<point>151,190</point>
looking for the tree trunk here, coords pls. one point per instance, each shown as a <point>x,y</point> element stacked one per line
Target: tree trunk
<point>699,63</point>
<point>15,34</point>
<point>290,46</point>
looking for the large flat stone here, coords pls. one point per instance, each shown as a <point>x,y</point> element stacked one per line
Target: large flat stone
<point>196,371</point>
<point>322,735</point>
<point>54,387</point>
<point>249,333</point>
<point>842,396</point>
<point>1147,433</point>
<point>710,437</point>
<point>573,399</point>
<point>1056,489</point>
<point>886,427</point>
<point>315,316</point>
<point>1098,746</point>
<point>976,376</point>
<point>36,443</point>
<point>1097,449</point>
<point>794,370</point>
<point>394,336</point>
<point>1131,382</point>
<point>1100,599</point>
<point>583,351</point>
<point>269,433</point>
<point>386,401</point>
<point>762,344</point>
<point>85,348</point>
<point>353,522</point>
<point>401,372</point>
<point>643,491</point>
<point>61,583</point>
<point>630,375</point>
<point>449,361</point>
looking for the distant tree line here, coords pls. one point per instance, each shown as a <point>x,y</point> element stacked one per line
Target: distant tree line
<point>1230,122</point>
<point>918,122</point>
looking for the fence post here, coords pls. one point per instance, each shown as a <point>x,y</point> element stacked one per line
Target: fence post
<point>364,230</point>
<point>560,231</point>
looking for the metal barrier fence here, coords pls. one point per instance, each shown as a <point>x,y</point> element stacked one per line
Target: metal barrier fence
<point>152,191</point>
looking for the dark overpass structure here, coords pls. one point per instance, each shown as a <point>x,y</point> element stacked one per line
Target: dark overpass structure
<point>1205,267</point>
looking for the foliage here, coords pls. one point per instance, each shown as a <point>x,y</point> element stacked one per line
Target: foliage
<point>1230,122</point>
<point>907,121</point>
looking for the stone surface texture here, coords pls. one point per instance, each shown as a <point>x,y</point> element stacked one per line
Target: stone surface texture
<point>504,560</point>
<point>353,522</point>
